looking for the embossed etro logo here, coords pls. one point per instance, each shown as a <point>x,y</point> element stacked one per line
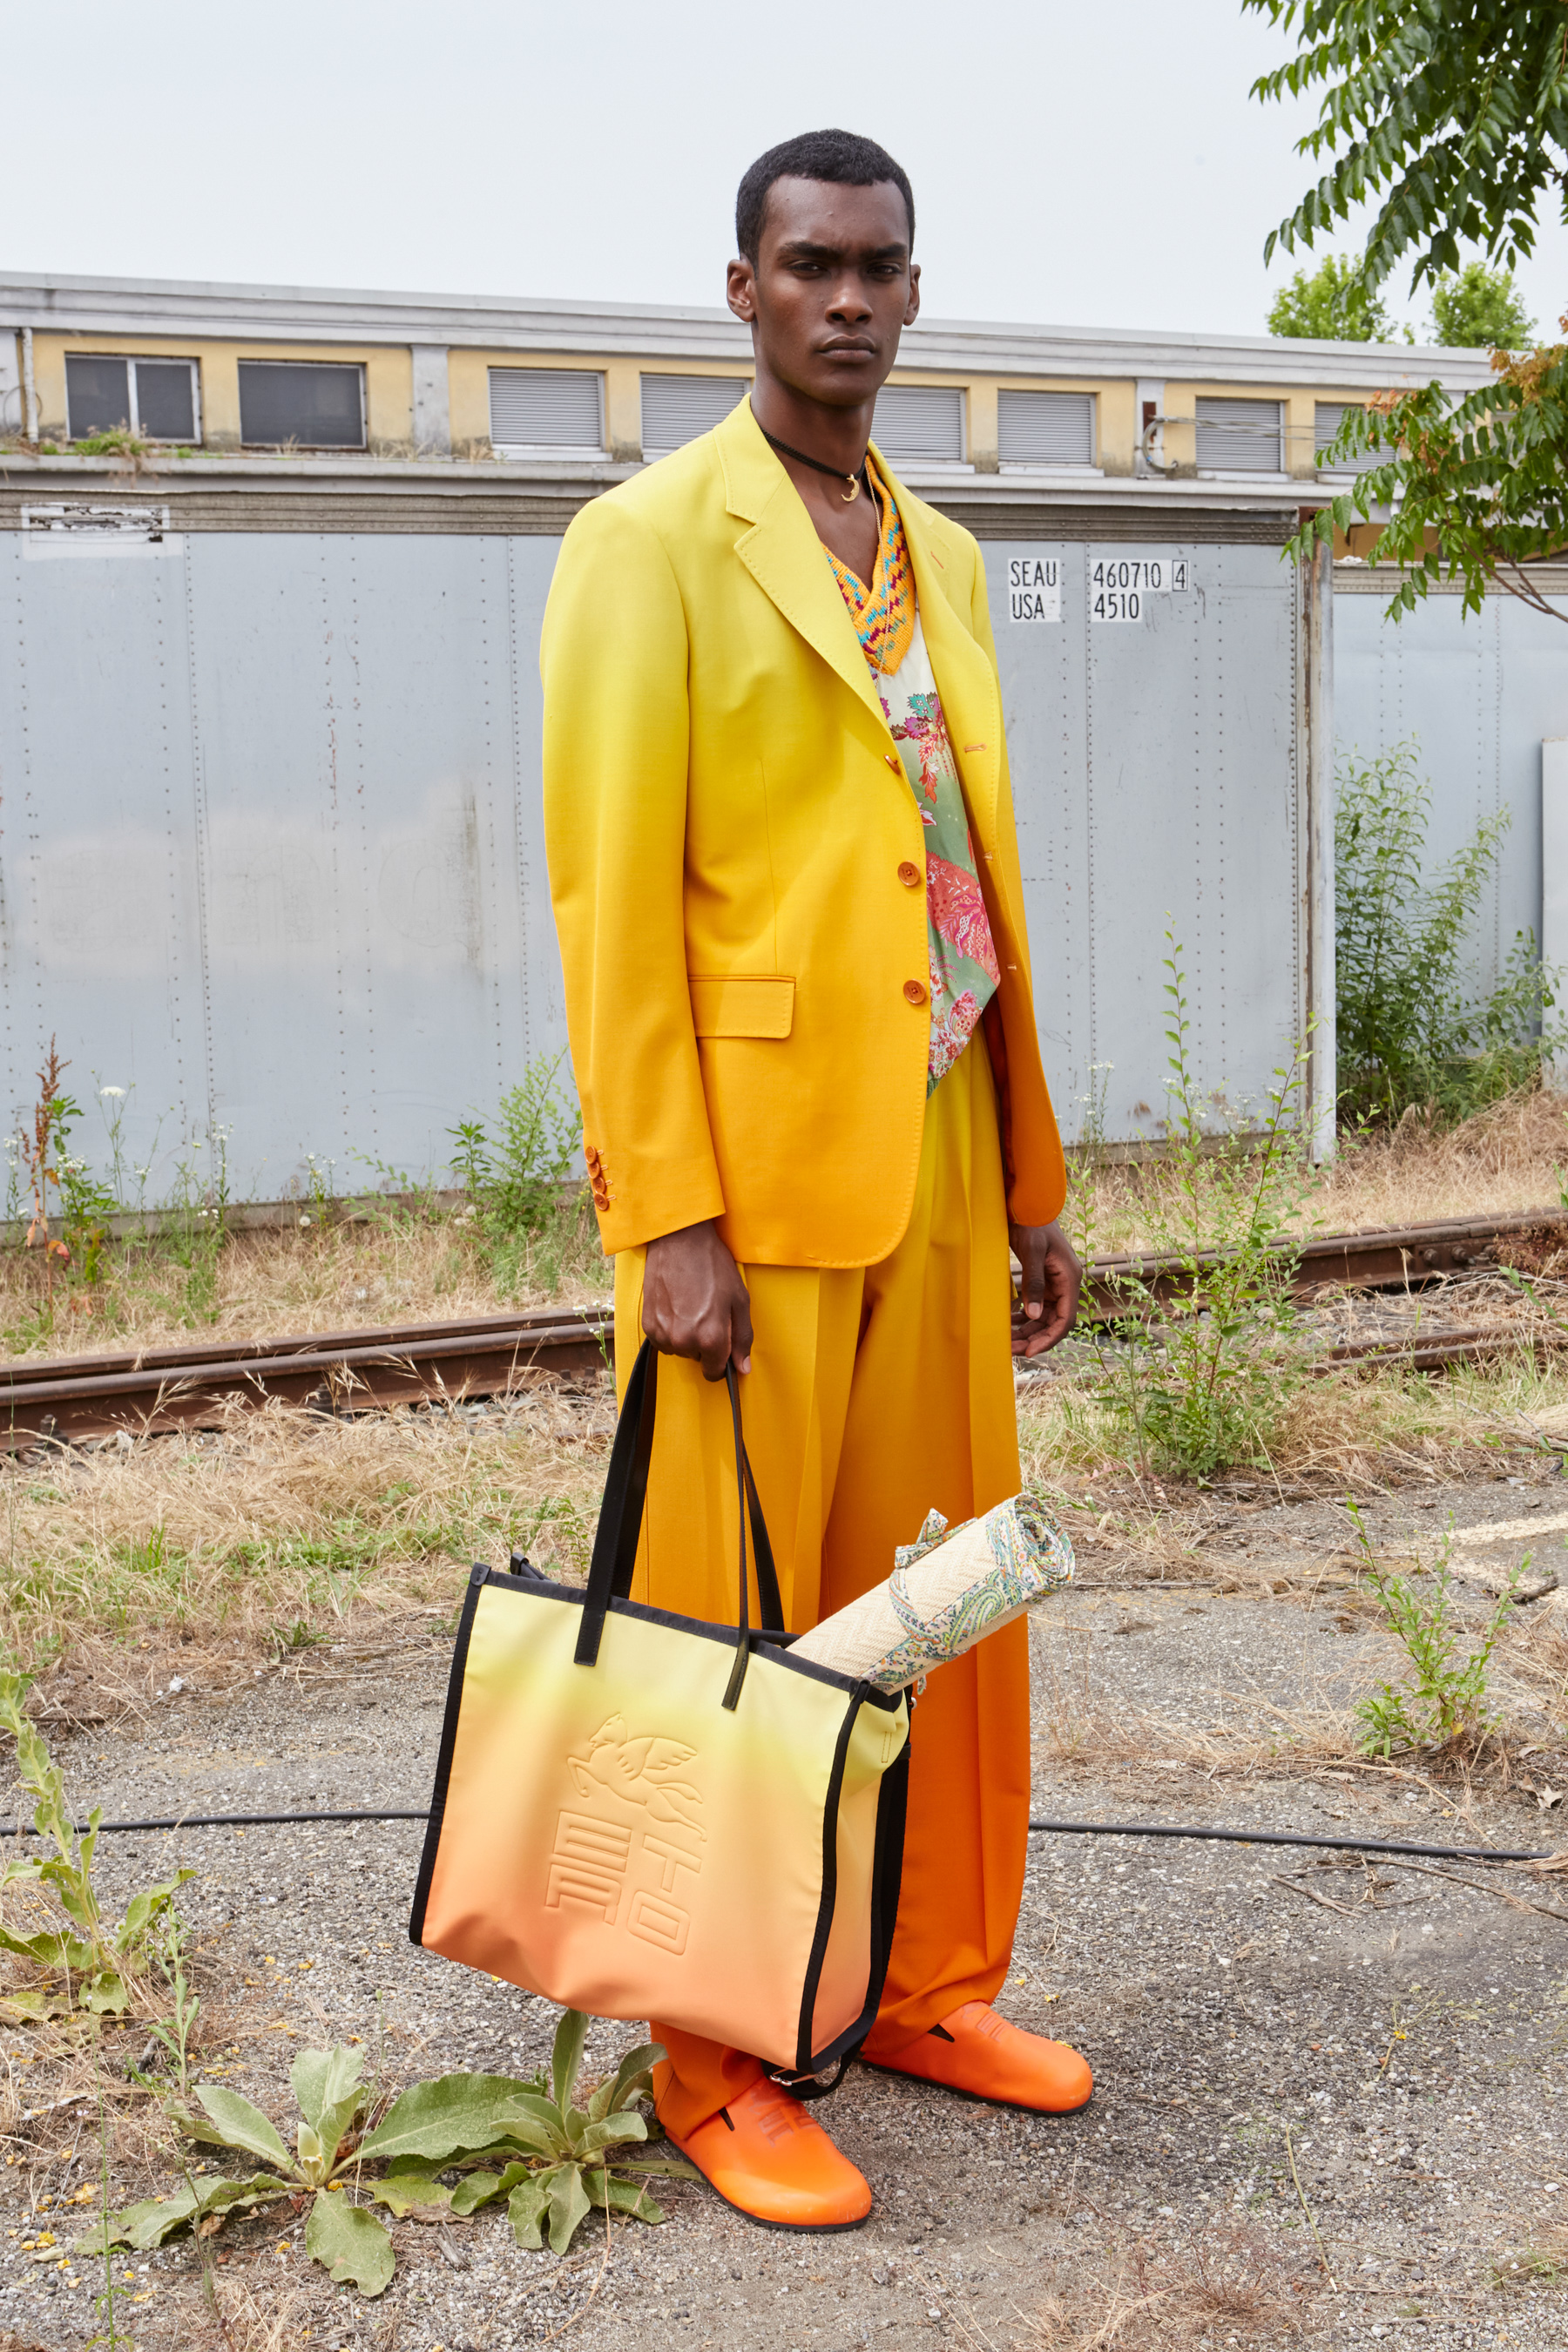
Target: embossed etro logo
<point>624,1871</point>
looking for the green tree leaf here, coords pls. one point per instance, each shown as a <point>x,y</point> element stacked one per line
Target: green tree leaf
<point>239,2125</point>
<point>349,2242</point>
<point>1333,303</point>
<point>456,2114</point>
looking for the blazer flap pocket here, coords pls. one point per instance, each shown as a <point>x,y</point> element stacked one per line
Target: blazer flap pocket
<point>743,1004</point>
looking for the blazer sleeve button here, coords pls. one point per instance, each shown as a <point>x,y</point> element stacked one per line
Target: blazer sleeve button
<point>894,762</point>
<point>908,874</point>
<point>914,992</point>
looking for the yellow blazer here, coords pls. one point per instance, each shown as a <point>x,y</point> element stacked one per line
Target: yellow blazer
<point>726,820</point>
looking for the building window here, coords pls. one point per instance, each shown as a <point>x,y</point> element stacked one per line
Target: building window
<point>1044,428</point>
<point>1327,418</point>
<point>1240,437</point>
<point>156,398</point>
<point>677,408</point>
<point>547,408</point>
<point>916,421</point>
<point>318,403</point>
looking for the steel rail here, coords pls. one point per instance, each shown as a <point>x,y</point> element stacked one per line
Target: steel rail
<point>152,1390</point>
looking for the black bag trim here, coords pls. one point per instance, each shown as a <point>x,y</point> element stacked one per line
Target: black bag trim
<point>478,1577</point>
<point>887,1875</point>
<point>542,1588</point>
<point>621,1515</point>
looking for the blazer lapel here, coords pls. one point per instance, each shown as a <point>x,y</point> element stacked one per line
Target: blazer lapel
<point>783,554</point>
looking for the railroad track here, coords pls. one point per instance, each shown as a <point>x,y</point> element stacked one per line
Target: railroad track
<point>157,1389</point>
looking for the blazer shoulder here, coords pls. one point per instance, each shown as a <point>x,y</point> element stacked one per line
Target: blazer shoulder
<point>672,495</point>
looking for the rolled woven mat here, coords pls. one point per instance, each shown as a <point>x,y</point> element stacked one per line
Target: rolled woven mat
<point>949,1589</point>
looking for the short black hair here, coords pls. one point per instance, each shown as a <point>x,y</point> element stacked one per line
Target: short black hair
<point>838,156</point>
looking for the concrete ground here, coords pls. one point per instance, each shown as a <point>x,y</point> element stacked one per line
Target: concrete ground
<point>1329,2087</point>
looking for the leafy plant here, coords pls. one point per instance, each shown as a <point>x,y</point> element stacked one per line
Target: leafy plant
<point>514,1172</point>
<point>1476,308</point>
<point>1473,489</point>
<point>89,1958</point>
<point>1412,1026</point>
<point>1202,1366</point>
<point>1334,302</point>
<point>1444,1700</point>
<point>1460,114</point>
<point>556,2161</point>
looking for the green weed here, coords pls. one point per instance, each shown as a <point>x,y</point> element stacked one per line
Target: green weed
<point>1199,1377</point>
<point>85,1964</point>
<point>1414,1025</point>
<point>1444,1702</point>
<point>557,2161</point>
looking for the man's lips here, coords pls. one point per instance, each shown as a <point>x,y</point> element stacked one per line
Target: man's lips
<point>843,349</point>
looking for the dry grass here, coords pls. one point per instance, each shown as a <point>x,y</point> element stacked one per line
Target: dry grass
<point>325,1274</point>
<point>1227,2285</point>
<point>1506,1158</point>
<point>219,1548</point>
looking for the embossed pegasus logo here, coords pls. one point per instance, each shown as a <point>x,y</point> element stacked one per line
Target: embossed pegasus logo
<point>642,1770</point>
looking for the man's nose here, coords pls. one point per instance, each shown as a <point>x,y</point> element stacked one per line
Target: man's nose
<point>848,302</point>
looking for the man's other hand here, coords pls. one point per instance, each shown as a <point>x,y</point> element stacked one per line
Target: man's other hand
<point>1052,1278</point>
<point>694,1302</point>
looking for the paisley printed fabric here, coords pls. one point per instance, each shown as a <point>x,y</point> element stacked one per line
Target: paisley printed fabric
<point>964,972</point>
<point>1029,1556</point>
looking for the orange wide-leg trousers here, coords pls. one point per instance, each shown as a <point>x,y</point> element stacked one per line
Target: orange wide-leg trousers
<point>875,1393</point>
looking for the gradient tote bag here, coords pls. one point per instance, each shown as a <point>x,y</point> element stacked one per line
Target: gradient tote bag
<point>641,1815</point>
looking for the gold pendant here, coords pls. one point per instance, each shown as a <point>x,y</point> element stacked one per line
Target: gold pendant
<point>853,493</point>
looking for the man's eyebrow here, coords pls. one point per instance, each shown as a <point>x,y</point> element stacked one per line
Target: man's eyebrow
<point>801,249</point>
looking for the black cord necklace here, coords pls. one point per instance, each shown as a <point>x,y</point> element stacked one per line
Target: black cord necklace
<point>833,472</point>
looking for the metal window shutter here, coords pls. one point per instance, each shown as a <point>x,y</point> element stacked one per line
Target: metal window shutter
<point>1044,428</point>
<point>919,420</point>
<point>1240,437</point>
<point>546,408</point>
<point>1327,415</point>
<point>677,408</point>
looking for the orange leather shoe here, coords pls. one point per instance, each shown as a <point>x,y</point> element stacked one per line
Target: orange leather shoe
<point>768,2158</point>
<point>977,2052</point>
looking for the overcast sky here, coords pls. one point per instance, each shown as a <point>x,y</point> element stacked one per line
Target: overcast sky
<point>1073,165</point>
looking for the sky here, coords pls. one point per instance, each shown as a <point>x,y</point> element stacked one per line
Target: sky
<point>1099,166</point>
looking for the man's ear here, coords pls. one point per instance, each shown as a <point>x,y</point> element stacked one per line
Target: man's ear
<point>913,311</point>
<point>740,290</point>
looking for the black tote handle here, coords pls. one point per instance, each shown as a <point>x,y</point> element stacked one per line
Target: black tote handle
<point>621,1513</point>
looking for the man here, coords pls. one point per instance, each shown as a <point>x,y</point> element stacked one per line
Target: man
<point>786,882</point>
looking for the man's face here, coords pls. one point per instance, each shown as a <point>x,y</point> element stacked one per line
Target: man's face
<point>831,288</point>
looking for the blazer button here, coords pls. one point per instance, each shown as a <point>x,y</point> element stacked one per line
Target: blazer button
<point>914,992</point>
<point>908,875</point>
<point>894,762</point>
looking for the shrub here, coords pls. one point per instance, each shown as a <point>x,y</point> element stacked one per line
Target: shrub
<point>1412,1025</point>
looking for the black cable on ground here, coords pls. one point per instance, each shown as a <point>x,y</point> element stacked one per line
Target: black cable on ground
<point>1289,1837</point>
<point>1057,1829</point>
<point>227,1822</point>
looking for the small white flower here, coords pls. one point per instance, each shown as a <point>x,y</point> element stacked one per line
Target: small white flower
<point>304,1221</point>
<point>115,1091</point>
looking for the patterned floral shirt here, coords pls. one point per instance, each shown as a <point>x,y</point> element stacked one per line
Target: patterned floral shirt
<point>964,972</point>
